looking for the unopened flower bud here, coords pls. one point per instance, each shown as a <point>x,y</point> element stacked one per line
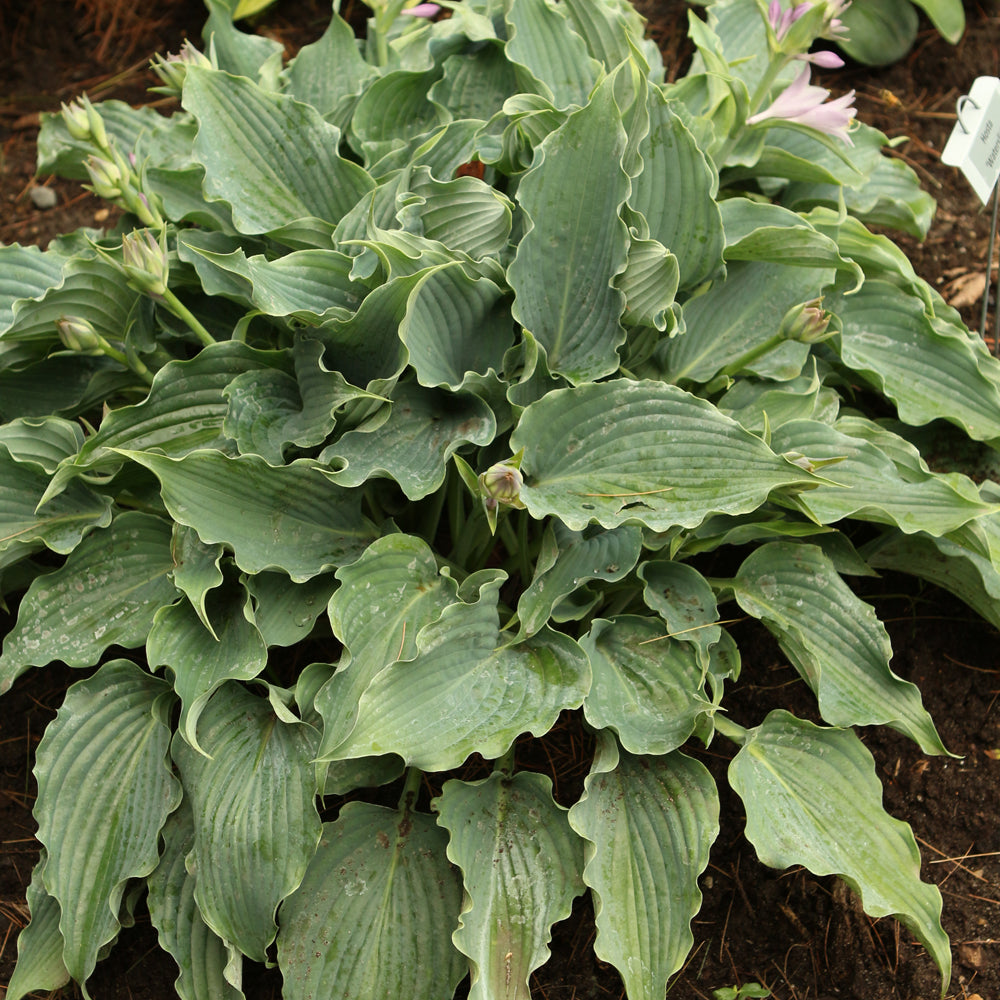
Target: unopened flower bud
<point>502,483</point>
<point>106,178</point>
<point>145,262</point>
<point>172,69</point>
<point>79,335</point>
<point>808,323</point>
<point>76,121</point>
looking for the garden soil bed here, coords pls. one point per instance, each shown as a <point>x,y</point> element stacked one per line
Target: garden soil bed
<point>805,938</point>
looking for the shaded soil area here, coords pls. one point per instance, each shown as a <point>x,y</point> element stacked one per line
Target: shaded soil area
<point>804,937</point>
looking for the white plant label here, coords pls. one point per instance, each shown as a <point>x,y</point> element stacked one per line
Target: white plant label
<point>974,145</point>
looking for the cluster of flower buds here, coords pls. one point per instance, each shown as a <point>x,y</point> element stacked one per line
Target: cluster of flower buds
<point>144,261</point>
<point>808,323</point>
<point>172,69</point>
<point>113,176</point>
<point>500,486</point>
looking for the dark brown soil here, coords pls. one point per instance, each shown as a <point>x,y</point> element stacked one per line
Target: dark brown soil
<point>805,938</point>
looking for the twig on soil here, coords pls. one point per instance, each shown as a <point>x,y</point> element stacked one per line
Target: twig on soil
<point>955,861</point>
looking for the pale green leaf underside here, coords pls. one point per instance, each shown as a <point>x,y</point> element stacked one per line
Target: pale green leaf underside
<point>373,915</point>
<point>104,792</point>
<point>520,864</point>
<point>645,452</point>
<point>650,822</point>
<point>833,639</point>
<point>812,798</point>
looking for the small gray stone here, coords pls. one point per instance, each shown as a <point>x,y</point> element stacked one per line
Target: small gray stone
<point>44,197</point>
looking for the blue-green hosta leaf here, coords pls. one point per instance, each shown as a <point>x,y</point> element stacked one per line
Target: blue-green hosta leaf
<point>870,487</point>
<point>945,562</point>
<point>675,194</point>
<point>758,404</point>
<point>425,427</point>
<point>879,32</point>
<point>91,288</point>
<point>649,284</point>
<point>40,965</point>
<point>948,16</point>
<point>104,792</point>
<point>381,879</point>
<point>184,411</point>
<point>328,70</point>
<point>384,600</point>
<point>59,523</point>
<point>761,231</point>
<point>463,692</point>
<point>396,107</point>
<point>520,864</point>
<point>200,662</point>
<point>929,371</point>
<point>256,762</point>
<point>270,410</point>
<point>308,285</point>
<point>615,33</point>
<point>285,612</point>
<point>64,384</point>
<point>196,569</point>
<point>647,688</point>
<point>642,452</point>
<point>812,798</point>
<point>475,84</point>
<point>740,313</point>
<point>272,159</point>
<point>685,601</point>
<point>455,324</point>
<point>542,41</point>
<point>649,823</point>
<point>833,639</point>
<point>564,273</point>
<point>41,442</point>
<point>289,518</point>
<point>105,594</point>
<point>26,273</point>
<point>567,560</point>
<point>237,51</point>
<point>465,213</point>
<point>201,955</point>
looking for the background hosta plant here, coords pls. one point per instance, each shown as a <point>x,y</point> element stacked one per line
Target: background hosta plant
<point>434,388</point>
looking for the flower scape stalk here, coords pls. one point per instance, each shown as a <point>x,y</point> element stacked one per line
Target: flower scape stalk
<point>434,388</point>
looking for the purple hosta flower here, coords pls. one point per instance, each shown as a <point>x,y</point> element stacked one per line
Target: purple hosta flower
<point>781,20</point>
<point>804,104</point>
<point>835,28</point>
<point>422,10</point>
<point>825,59</point>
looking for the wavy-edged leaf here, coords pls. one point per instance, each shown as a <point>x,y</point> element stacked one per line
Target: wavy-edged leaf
<point>196,569</point>
<point>927,370</point>
<point>396,107</point>
<point>870,487</point>
<point>60,523</point>
<point>289,518</point>
<point>812,798</point>
<point>475,83</point>
<point>272,159</point>
<point>645,452</point>
<point>685,601</point>
<point>542,40</point>
<point>833,639</point>
<point>40,965</point>
<point>286,612</point>
<point>105,594</point>
<point>254,811</point>
<point>649,823</point>
<point>201,662</point>
<point>104,792</point>
<point>384,600</point>
<point>462,692</point>
<point>568,559</point>
<point>647,688</point>
<point>202,957</point>
<point>879,32</point>
<point>564,272</point>
<point>758,404</point>
<point>520,864</point>
<point>649,284</point>
<point>42,442</point>
<point>26,273</point>
<point>381,879</point>
<point>424,428</point>
<point>455,324</point>
<point>675,194</point>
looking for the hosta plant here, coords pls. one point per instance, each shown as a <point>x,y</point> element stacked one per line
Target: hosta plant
<point>433,388</point>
